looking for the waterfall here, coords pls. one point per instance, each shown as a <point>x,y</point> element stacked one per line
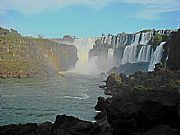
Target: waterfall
<point>136,40</point>
<point>144,54</point>
<point>129,55</point>
<point>110,59</point>
<point>85,65</point>
<point>85,42</point>
<point>156,56</point>
<point>145,38</point>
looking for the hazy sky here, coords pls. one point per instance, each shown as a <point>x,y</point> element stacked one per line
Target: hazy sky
<point>88,18</point>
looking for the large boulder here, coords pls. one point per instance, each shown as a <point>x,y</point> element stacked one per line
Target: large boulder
<point>140,112</point>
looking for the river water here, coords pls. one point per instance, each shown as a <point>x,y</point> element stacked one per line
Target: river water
<point>41,99</point>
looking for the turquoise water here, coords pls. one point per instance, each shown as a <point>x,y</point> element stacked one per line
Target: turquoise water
<point>41,99</point>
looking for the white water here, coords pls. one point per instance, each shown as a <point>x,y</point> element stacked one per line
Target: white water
<point>146,37</point>
<point>136,41</point>
<point>85,65</point>
<point>156,56</point>
<point>110,59</point>
<point>144,54</point>
<point>129,55</point>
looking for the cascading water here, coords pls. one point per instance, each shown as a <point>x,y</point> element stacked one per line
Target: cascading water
<point>125,46</point>
<point>144,54</point>
<point>129,55</point>
<point>110,59</point>
<point>85,65</point>
<point>156,56</point>
<point>136,39</point>
<point>145,38</point>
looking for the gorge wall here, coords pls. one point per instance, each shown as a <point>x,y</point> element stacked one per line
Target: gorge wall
<point>123,52</point>
<point>130,52</point>
<point>173,46</point>
<point>28,56</point>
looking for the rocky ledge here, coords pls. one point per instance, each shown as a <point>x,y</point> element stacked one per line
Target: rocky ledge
<point>142,104</point>
<point>64,125</point>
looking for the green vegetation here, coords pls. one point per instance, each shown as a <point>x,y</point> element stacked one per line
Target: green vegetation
<point>158,39</point>
<point>144,31</point>
<point>27,56</point>
<point>140,88</point>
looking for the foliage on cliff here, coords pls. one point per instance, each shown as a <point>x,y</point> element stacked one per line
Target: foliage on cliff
<point>157,39</point>
<point>27,56</point>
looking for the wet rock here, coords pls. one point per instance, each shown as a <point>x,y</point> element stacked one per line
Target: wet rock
<point>100,115</point>
<point>101,104</point>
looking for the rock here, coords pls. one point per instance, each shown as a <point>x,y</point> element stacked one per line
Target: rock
<point>64,125</point>
<point>142,101</point>
<point>70,126</point>
<point>173,61</point>
<point>100,115</point>
<point>26,129</point>
<point>140,112</point>
<point>161,130</point>
<point>44,128</point>
<point>102,86</point>
<point>101,104</point>
<point>158,67</point>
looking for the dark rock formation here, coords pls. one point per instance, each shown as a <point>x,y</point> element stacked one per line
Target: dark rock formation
<point>101,104</point>
<point>142,102</point>
<point>173,44</point>
<point>130,68</point>
<point>162,130</point>
<point>64,125</point>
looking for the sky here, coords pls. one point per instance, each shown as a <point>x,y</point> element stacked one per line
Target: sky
<point>87,18</point>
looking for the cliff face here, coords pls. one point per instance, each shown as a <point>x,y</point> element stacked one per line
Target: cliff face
<point>131,50</point>
<point>27,56</point>
<point>143,37</point>
<point>173,45</point>
<point>54,58</point>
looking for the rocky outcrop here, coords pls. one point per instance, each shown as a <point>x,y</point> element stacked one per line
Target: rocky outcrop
<point>140,112</point>
<point>130,68</point>
<point>173,45</point>
<point>142,102</point>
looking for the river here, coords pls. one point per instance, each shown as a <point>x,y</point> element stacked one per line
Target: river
<point>41,99</point>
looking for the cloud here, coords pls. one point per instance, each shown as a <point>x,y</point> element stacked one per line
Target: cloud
<point>149,9</point>
<point>40,6</point>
